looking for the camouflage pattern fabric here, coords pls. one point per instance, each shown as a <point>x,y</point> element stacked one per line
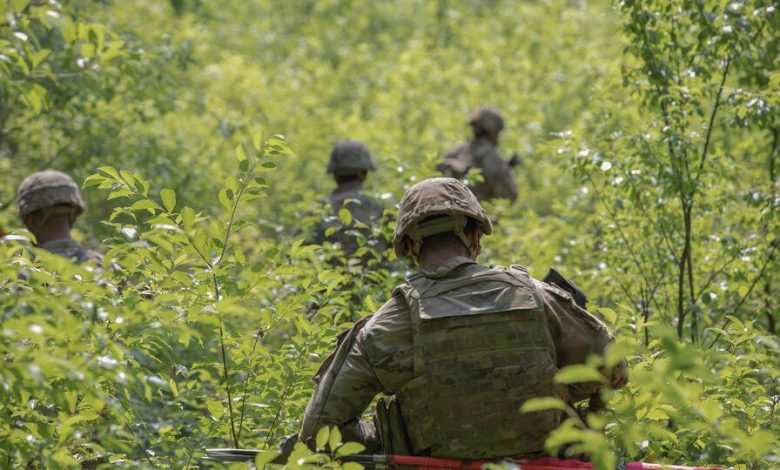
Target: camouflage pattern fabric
<point>379,355</point>
<point>71,249</point>
<point>45,189</point>
<point>481,349</point>
<point>363,208</point>
<point>482,154</point>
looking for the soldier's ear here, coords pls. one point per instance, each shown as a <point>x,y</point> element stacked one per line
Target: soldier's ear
<point>474,238</point>
<point>409,248</point>
<point>31,221</point>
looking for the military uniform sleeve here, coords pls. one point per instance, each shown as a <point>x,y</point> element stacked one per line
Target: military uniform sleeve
<point>577,334</point>
<point>362,366</point>
<point>456,162</point>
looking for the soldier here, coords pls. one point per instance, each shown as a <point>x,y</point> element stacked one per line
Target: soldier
<point>48,202</point>
<point>460,346</point>
<point>481,152</point>
<point>350,162</point>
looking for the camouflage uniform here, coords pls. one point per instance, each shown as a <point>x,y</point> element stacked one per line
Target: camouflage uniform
<point>481,153</point>
<point>54,192</point>
<point>461,346</point>
<point>351,157</point>
<point>71,249</point>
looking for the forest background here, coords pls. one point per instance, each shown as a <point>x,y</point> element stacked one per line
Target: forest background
<point>649,137</point>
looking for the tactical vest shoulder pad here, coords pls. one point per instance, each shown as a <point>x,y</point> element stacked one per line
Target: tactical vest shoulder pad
<point>561,293</point>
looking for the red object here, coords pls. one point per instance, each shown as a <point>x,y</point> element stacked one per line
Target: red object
<point>544,463</point>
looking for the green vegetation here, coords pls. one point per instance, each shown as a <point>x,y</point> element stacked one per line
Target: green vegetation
<point>650,133</point>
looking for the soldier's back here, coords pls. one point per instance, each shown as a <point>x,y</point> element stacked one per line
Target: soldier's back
<point>71,249</point>
<point>365,213</point>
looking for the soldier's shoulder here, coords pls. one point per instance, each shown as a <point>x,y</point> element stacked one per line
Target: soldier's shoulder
<point>459,147</point>
<point>554,291</point>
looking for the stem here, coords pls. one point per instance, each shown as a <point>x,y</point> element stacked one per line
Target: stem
<point>623,236</point>
<point>258,335</point>
<point>772,151</point>
<point>645,315</point>
<point>282,400</point>
<point>233,210</point>
<point>769,258</point>
<point>694,319</point>
<point>715,107</point>
<point>681,291</point>
<point>227,380</point>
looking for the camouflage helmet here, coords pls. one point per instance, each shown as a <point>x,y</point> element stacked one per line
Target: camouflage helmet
<point>350,156</point>
<point>487,118</point>
<point>437,196</point>
<point>46,189</point>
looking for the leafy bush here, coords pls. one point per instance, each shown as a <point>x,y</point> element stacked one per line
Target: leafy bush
<point>649,177</point>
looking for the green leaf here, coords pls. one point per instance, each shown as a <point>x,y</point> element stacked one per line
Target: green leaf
<point>345,216</point>
<point>39,57</point>
<point>334,440</point>
<point>224,200</point>
<point>257,140</point>
<point>168,197</point>
<point>264,458</point>
<point>350,448</point>
<point>240,153</point>
<point>578,373</point>
<point>188,218</point>
<point>146,204</point>
<point>609,314</point>
<point>93,180</point>
<point>322,438</point>
<point>110,171</point>
<point>542,404</point>
<point>232,184</point>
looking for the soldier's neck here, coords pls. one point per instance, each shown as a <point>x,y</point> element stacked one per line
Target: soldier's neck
<point>435,255</point>
<point>54,230</point>
<point>492,138</point>
<point>349,185</point>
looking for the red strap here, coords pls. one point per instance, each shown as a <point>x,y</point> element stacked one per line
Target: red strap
<point>543,463</point>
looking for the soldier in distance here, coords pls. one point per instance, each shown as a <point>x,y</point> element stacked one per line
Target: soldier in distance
<point>49,202</point>
<point>481,152</point>
<point>350,162</point>
<point>460,346</point>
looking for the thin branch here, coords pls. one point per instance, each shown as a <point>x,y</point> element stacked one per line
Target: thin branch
<point>769,258</point>
<point>258,336</point>
<point>715,274</point>
<point>241,190</point>
<point>772,150</point>
<point>623,236</point>
<point>715,107</point>
<point>198,443</point>
<point>225,367</point>
<point>138,442</point>
<point>48,76</point>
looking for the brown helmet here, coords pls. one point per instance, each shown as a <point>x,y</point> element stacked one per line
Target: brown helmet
<point>437,196</point>
<point>487,118</point>
<point>47,189</point>
<point>350,156</point>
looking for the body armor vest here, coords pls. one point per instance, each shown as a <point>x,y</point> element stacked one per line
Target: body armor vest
<point>482,347</point>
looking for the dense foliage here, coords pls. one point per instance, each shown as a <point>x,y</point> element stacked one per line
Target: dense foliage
<point>649,132</point>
